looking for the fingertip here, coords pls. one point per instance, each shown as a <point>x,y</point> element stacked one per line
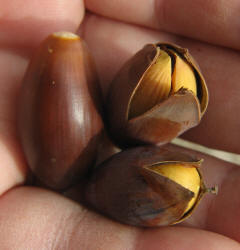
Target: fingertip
<point>27,24</point>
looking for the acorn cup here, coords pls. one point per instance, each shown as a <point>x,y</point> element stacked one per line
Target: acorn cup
<point>59,117</point>
<point>157,95</point>
<point>147,186</point>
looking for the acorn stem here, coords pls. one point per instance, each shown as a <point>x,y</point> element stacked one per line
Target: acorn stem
<point>212,190</point>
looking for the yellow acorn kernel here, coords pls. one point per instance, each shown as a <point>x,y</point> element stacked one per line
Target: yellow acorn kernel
<point>183,76</point>
<point>155,85</point>
<point>186,176</point>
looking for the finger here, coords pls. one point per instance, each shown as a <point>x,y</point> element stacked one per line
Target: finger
<point>112,43</point>
<point>40,219</point>
<point>22,28</point>
<point>26,23</point>
<point>200,19</point>
<point>183,238</point>
<point>37,219</point>
<point>13,165</point>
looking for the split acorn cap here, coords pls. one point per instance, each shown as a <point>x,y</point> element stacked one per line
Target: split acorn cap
<point>147,186</point>
<point>156,96</point>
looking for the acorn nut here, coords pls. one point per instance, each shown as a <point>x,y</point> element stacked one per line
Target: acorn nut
<point>59,117</point>
<point>156,96</point>
<point>147,186</point>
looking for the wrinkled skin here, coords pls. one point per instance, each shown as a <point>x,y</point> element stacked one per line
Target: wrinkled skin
<point>35,218</point>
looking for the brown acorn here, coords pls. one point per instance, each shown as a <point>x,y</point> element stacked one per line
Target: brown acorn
<point>157,95</point>
<point>147,186</point>
<point>59,111</point>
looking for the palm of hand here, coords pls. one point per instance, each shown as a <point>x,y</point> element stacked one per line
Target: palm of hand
<point>33,218</point>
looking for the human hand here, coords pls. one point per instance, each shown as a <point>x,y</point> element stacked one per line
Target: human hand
<point>34,218</point>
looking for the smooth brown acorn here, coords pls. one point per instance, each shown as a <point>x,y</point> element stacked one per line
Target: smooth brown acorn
<point>59,111</point>
<point>157,95</point>
<point>147,186</point>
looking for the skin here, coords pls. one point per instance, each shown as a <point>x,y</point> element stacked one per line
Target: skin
<point>36,218</point>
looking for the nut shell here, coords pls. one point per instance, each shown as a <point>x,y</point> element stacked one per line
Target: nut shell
<point>59,111</point>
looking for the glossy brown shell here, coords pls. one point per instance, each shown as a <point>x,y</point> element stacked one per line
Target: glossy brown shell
<point>125,188</point>
<point>59,112</point>
<point>164,121</point>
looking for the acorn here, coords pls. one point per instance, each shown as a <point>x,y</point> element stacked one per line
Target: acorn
<point>147,186</point>
<point>59,115</point>
<point>157,95</point>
